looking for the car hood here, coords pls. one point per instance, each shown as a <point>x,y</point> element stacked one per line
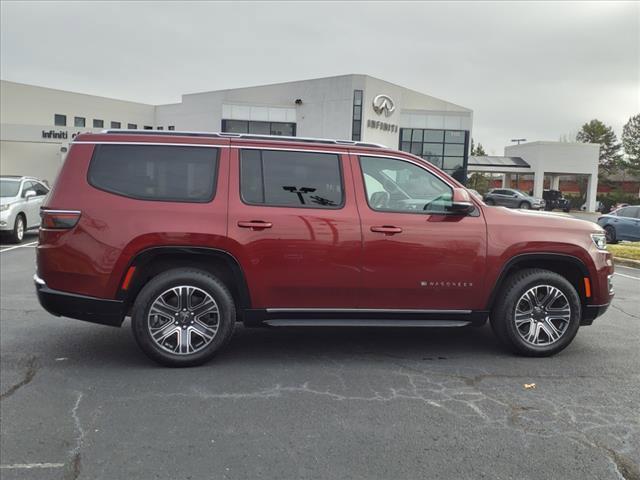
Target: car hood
<point>539,220</point>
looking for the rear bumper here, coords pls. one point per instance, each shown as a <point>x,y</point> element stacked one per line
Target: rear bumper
<point>591,312</point>
<point>81,307</point>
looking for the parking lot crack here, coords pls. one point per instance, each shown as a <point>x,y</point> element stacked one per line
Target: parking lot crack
<point>28,377</point>
<point>625,312</point>
<point>73,465</point>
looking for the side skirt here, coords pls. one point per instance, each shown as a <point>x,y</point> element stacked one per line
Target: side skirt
<point>314,317</point>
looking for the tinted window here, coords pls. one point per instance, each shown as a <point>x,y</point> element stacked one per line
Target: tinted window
<point>26,186</point>
<point>60,120</point>
<point>132,126</point>
<point>294,179</point>
<point>630,212</point>
<point>40,189</point>
<point>402,186</point>
<point>79,121</point>
<point>115,124</point>
<point>98,123</point>
<point>9,188</point>
<point>155,172</point>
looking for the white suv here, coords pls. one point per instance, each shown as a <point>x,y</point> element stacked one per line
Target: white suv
<point>20,200</point>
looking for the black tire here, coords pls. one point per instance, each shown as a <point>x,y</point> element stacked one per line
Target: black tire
<point>199,279</point>
<point>566,210</point>
<point>489,201</point>
<point>17,234</point>
<point>610,233</point>
<point>503,312</point>
<point>525,205</point>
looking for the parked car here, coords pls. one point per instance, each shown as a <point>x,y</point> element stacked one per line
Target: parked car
<point>622,224</point>
<point>599,206</point>
<point>554,200</point>
<point>508,197</point>
<point>188,233</point>
<point>20,200</point>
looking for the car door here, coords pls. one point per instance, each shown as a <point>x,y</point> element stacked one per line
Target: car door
<point>29,207</point>
<point>295,227</point>
<point>415,254</point>
<point>627,223</point>
<point>41,193</point>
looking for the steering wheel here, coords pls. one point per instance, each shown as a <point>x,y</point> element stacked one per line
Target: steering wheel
<point>439,197</point>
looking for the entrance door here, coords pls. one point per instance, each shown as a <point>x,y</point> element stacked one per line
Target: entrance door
<point>295,225</point>
<point>416,255</point>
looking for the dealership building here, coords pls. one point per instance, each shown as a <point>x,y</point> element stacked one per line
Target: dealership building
<point>37,124</point>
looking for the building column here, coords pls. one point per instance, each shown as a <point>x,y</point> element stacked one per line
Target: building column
<point>538,183</point>
<point>592,191</point>
<point>555,182</point>
<point>506,180</point>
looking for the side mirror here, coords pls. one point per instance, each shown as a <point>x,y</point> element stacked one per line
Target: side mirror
<point>461,204</point>
<point>29,193</point>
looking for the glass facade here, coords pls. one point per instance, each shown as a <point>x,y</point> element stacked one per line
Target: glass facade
<point>447,149</point>
<point>259,128</point>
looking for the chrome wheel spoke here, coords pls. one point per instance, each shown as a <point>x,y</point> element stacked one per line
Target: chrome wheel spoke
<point>183,320</point>
<point>542,315</point>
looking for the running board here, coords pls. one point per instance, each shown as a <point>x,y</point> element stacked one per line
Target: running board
<point>356,322</point>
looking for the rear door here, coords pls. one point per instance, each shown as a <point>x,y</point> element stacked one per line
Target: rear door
<point>627,223</point>
<point>415,255</point>
<point>295,227</point>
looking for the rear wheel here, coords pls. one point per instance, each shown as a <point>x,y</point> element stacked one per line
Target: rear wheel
<point>538,313</point>
<point>610,233</point>
<point>525,205</point>
<point>17,234</point>
<point>183,317</point>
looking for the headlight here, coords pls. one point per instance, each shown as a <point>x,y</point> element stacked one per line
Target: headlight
<point>600,240</point>
<point>4,207</point>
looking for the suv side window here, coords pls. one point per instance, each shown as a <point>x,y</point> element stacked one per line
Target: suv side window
<point>40,189</point>
<point>291,179</point>
<point>155,172</point>
<point>26,186</point>
<point>401,186</point>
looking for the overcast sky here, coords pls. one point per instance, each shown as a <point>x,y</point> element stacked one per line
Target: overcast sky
<point>533,70</point>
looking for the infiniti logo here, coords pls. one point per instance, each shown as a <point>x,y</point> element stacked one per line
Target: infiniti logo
<point>383,103</point>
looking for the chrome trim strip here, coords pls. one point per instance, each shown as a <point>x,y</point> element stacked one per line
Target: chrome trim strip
<point>47,210</point>
<point>207,145</point>
<point>366,323</point>
<point>38,280</point>
<point>364,310</point>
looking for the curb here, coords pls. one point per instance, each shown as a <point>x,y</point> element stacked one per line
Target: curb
<point>627,262</point>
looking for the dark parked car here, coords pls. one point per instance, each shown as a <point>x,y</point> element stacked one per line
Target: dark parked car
<point>553,200</point>
<point>622,224</point>
<point>188,233</point>
<point>509,197</point>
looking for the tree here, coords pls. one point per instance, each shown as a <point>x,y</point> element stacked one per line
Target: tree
<point>477,151</point>
<point>597,132</point>
<point>631,144</point>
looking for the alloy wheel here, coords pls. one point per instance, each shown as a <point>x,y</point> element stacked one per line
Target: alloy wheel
<point>542,315</point>
<point>183,320</point>
<point>19,229</point>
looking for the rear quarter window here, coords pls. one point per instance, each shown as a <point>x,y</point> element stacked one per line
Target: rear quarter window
<point>155,172</point>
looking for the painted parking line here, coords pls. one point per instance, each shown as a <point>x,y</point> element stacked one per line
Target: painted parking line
<point>31,244</point>
<point>626,276</point>
<point>27,466</point>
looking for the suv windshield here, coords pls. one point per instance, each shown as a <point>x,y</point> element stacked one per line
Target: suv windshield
<point>9,188</point>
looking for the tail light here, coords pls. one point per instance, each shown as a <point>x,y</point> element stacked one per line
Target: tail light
<point>59,219</point>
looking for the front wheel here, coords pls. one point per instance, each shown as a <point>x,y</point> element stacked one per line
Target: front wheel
<point>183,317</point>
<point>610,234</point>
<point>538,313</point>
<point>17,234</point>
<point>489,201</point>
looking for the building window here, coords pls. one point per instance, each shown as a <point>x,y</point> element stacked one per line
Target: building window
<point>171,127</point>
<point>98,123</point>
<point>132,126</point>
<point>446,149</point>
<point>147,127</point>
<point>60,120</point>
<point>115,124</point>
<point>356,126</point>
<point>259,128</point>
<point>160,128</point>
<point>79,121</point>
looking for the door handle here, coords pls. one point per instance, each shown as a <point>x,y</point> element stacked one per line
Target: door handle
<point>387,229</point>
<point>255,225</point>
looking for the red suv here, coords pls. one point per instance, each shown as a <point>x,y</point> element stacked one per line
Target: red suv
<point>188,233</point>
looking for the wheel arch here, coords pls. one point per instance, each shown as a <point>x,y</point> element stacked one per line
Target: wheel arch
<point>568,266</point>
<point>152,261</point>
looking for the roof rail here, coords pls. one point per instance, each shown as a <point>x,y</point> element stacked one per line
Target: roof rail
<point>246,136</point>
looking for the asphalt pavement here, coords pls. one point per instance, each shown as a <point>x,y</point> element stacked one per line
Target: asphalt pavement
<point>81,401</point>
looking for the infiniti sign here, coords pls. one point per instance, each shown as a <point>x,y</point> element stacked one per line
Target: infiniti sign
<point>383,103</point>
